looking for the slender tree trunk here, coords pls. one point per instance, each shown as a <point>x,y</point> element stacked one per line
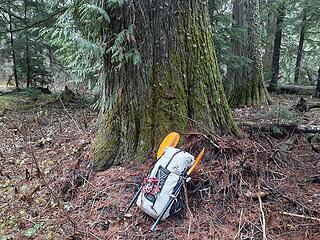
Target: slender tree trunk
<point>248,83</point>
<point>300,47</point>
<point>268,41</point>
<point>28,62</point>
<point>27,46</point>
<point>318,84</point>
<point>310,77</point>
<point>12,46</point>
<point>177,86</point>
<point>277,48</point>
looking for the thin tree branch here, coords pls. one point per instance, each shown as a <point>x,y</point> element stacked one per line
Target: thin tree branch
<point>38,22</point>
<point>10,13</point>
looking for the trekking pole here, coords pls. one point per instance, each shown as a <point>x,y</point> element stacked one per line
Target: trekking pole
<point>186,177</point>
<point>162,213</point>
<point>169,203</point>
<point>171,140</point>
<point>133,200</point>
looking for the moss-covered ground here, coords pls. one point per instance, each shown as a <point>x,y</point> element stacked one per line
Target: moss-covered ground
<point>23,99</point>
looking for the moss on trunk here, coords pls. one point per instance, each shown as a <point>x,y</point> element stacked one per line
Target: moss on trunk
<point>248,87</point>
<point>176,87</point>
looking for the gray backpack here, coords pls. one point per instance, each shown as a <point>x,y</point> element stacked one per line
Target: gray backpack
<point>160,193</point>
<point>162,182</point>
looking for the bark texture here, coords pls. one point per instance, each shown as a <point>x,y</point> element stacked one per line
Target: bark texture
<point>176,87</point>
<point>300,47</point>
<point>248,83</point>
<point>277,48</point>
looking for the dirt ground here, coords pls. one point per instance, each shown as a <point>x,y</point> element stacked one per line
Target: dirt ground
<point>263,182</point>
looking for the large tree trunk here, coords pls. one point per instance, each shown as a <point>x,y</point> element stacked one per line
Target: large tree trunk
<point>300,47</point>
<point>12,46</point>
<point>277,48</point>
<point>177,85</point>
<point>248,88</point>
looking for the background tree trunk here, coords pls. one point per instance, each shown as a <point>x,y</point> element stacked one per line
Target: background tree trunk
<point>318,84</point>
<point>277,48</point>
<point>177,86</point>
<point>248,88</point>
<point>269,38</point>
<point>12,46</point>
<point>27,46</point>
<point>300,47</point>
<point>310,77</point>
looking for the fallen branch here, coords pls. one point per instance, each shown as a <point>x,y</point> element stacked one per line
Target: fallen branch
<point>75,123</point>
<point>188,208</point>
<point>300,216</point>
<point>289,128</point>
<point>308,128</point>
<point>314,106</point>
<point>297,89</point>
<point>240,227</point>
<point>264,233</point>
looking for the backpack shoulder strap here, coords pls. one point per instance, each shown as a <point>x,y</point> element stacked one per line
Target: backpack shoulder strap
<point>172,158</point>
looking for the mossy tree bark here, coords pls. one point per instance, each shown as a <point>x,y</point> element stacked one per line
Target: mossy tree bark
<point>248,86</point>
<point>176,87</point>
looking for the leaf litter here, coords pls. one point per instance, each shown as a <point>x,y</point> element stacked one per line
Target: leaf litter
<point>47,190</point>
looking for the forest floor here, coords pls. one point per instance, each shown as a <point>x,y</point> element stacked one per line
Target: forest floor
<point>264,182</point>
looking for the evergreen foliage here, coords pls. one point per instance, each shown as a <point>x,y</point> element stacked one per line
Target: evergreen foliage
<point>76,36</point>
<point>31,53</point>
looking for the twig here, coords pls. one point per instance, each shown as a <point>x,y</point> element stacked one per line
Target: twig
<point>263,218</point>
<point>94,236</point>
<point>300,216</point>
<point>75,123</point>
<point>187,205</point>
<point>42,177</point>
<point>98,218</point>
<point>84,179</point>
<point>208,129</point>
<point>240,227</point>
<point>279,109</point>
<point>34,24</point>
<point>39,125</point>
<point>206,137</point>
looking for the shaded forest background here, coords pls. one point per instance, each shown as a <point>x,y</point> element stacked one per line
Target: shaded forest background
<point>46,42</point>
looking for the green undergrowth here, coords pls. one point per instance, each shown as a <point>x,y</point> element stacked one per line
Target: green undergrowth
<point>24,99</point>
<point>281,115</point>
